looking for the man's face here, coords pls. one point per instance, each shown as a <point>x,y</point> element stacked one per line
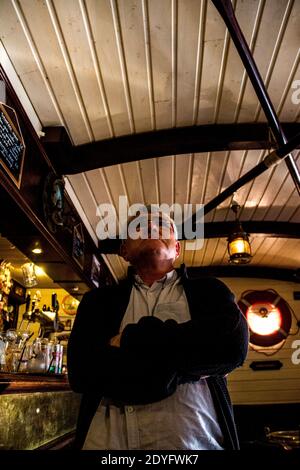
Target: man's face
<point>156,241</point>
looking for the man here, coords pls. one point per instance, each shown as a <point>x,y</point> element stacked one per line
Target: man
<point>150,355</point>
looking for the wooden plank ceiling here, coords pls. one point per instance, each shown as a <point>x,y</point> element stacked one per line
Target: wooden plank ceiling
<point>105,68</point>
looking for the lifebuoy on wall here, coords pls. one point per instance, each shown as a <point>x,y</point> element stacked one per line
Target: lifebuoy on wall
<point>268,314</point>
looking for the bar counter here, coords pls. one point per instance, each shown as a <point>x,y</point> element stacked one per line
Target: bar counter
<point>36,411</point>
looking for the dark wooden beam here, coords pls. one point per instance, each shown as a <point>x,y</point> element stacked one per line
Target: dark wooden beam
<point>222,230</point>
<point>68,159</point>
<point>258,272</point>
<point>269,229</point>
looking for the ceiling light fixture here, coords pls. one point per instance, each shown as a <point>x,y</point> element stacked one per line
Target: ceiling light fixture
<point>239,248</point>
<point>37,250</point>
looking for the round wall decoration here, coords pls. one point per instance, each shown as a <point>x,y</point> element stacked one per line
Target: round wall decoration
<point>268,314</point>
<point>69,305</point>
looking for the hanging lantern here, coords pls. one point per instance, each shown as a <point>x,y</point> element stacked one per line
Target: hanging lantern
<point>239,248</point>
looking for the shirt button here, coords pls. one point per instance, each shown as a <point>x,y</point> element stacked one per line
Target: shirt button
<point>130,409</point>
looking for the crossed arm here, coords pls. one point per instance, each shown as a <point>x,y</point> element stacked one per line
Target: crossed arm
<point>214,342</point>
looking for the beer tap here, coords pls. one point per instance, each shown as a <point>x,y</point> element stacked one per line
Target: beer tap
<point>27,314</point>
<point>55,308</point>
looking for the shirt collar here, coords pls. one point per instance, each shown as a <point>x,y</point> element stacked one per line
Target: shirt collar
<point>171,276</point>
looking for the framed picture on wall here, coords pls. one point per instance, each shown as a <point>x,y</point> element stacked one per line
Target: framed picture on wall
<point>69,305</point>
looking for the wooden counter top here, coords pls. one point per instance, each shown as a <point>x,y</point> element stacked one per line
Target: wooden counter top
<point>26,383</point>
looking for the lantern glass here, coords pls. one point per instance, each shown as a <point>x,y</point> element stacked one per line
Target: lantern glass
<point>239,249</point>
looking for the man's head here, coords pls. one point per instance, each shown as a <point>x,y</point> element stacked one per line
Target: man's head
<point>152,241</point>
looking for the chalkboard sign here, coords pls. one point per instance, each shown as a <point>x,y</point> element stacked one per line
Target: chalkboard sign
<point>12,147</point>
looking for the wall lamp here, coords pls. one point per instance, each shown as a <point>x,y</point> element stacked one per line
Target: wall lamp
<point>269,317</point>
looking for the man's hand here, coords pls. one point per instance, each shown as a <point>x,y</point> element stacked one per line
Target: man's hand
<point>115,340</point>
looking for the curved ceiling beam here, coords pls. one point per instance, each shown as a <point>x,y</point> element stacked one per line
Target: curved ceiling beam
<point>222,230</point>
<point>260,272</point>
<point>68,159</point>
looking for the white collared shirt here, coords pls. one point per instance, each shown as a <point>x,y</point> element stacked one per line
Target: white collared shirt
<point>165,299</point>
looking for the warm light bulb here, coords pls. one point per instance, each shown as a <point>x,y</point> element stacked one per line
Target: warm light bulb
<point>39,271</point>
<point>263,319</point>
<point>239,246</point>
<point>37,251</point>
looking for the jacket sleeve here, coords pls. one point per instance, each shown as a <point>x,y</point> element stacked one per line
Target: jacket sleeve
<point>213,342</point>
<point>87,346</point>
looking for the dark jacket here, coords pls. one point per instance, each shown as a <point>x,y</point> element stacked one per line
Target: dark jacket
<point>156,356</point>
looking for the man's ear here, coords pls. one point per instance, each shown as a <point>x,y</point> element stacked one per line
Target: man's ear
<point>178,249</point>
